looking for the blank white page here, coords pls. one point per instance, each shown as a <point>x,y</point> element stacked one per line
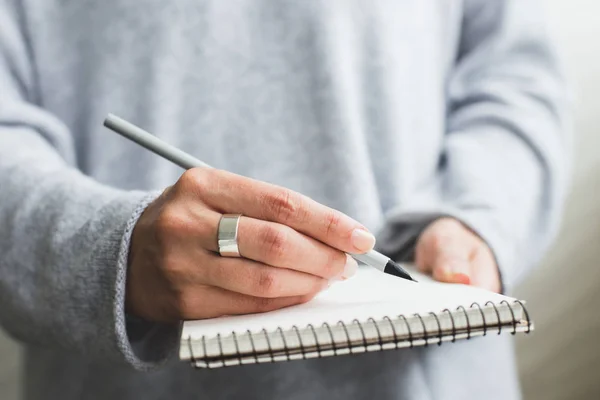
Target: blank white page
<point>368,294</point>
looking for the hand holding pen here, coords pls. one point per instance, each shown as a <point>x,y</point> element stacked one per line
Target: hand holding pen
<point>216,243</point>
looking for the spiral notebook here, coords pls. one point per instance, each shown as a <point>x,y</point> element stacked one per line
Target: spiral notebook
<point>371,311</point>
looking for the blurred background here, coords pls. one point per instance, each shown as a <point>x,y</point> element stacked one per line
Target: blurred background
<point>561,360</point>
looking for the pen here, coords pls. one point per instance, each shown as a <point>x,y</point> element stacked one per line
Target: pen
<point>186,161</point>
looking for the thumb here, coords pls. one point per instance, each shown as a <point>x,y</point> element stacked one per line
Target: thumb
<point>452,266</point>
<point>445,252</point>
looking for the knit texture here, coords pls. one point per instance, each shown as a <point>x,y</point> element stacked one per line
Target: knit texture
<point>156,342</point>
<point>393,112</point>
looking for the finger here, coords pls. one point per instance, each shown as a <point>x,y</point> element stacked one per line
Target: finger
<point>211,302</point>
<point>255,279</point>
<point>433,240</point>
<point>230,193</point>
<point>423,257</point>
<point>485,272</point>
<point>281,246</point>
<point>447,254</point>
<point>452,270</point>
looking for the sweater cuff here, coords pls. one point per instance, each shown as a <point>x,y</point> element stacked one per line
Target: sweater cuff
<point>399,237</point>
<point>145,345</point>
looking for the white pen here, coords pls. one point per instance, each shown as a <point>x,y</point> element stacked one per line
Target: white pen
<point>186,161</point>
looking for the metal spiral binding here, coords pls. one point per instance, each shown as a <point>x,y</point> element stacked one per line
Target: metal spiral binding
<point>346,333</point>
<point>393,329</point>
<point>268,344</point>
<point>312,328</point>
<point>204,347</point>
<point>513,316</point>
<point>526,315</point>
<point>285,345</point>
<point>425,337</point>
<point>453,324</point>
<point>410,335</point>
<point>320,346</point>
<point>191,350</point>
<point>220,344</point>
<point>482,317</point>
<point>254,353</point>
<point>362,332</point>
<point>437,320</point>
<point>497,316</point>
<point>326,325</point>
<point>295,328</point>
<point>237,347</point>
<point>468,321</point>
<point>379,339</point>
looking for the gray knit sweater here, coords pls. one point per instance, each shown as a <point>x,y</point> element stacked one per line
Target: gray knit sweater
<point>390,111</point>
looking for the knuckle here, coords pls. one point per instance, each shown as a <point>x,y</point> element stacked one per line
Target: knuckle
<point>174,273</point>
<point>189,178</point>
<point>195,177</point>
<point>450,223</point>
<point>172,221</point>
<point>335,264</point>
<point>167,221</point>
<point>275,241</point>
<point>317,286</point>
<point>441,240</point>
<point>283,204</point>
<point>307,297</point>
<point>183,304</point>
<point>420,259</point>
<point>264,304</point>
<point>332,222</point>
<point>170,225</point>
<point>203,226</point>
<point>169,270</point>
<point>441,261</point>
<point>267,284</point>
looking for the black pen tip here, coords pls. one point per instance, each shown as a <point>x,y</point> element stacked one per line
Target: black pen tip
<point>395,269</point>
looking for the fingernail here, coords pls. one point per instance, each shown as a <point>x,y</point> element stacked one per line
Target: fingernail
<point>350,268</point>
<point>363,241</point>
<point>461,278</point>
<point>458,272</point>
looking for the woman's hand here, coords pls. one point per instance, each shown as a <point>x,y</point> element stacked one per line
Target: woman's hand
<point>451,252</point>
<point>292,248</point>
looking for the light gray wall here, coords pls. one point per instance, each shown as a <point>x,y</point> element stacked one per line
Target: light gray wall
<point>561,360</point>
<point>9,368</point>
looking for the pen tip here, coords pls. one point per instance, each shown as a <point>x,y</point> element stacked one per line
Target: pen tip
<point>395,269</point>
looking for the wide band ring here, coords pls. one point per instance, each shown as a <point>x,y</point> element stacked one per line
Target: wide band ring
<point>227,235</point>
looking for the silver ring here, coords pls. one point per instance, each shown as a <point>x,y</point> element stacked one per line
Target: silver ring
<point>227,235</point>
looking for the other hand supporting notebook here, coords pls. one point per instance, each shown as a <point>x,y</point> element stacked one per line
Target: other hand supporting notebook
<point>369,312</point>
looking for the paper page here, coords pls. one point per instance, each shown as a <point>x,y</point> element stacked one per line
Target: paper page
<point>368,294</point>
